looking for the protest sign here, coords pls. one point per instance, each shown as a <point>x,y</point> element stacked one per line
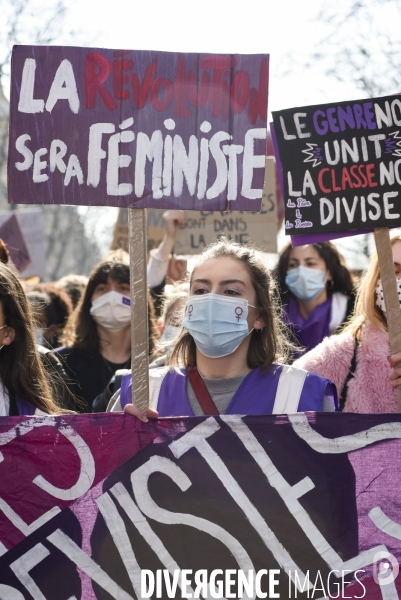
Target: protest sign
<point>141,129</point>
<point>155,229</point>
<point>258,229</point>
<point>177,269</point>
<point>340,164</point>
<point>31,223</point>
<point>313,238</point>
<point>299,505</point>
<point>121,236</point>
<point>137,129</point>
<point>340,173</point>
<point>12,236</point>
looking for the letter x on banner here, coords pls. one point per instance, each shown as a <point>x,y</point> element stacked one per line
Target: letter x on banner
<point>137,129</point>
<point>313,499</point>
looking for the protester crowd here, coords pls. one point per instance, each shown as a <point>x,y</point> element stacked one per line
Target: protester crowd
<point>233,338</point>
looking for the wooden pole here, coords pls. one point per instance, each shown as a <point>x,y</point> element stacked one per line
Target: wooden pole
<point>139,308</point>
<point>387,276</point>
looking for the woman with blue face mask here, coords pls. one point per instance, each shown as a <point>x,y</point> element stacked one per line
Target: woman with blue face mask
<point>225,359</point>
<point>358,358</point>
<point>316,291</point>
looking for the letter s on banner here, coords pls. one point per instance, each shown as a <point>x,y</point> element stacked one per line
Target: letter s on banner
<point>87,467</point>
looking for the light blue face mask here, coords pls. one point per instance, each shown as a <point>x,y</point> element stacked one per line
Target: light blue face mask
<point>169,337</point>
<point>305,283</point>
<point>218,324</point>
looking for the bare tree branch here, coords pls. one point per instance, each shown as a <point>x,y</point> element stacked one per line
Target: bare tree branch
<point>69,247</point>
<point>361,44</point>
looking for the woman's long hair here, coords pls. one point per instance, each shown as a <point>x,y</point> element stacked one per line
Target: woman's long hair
<point>21,369</point>
<point>81,330</point>
<point>366,309</point>
<point>342,280</point>
<point>266,346</point>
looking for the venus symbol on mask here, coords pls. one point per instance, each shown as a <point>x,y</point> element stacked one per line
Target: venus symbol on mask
<point>238,311</point>
<point>190,310</point>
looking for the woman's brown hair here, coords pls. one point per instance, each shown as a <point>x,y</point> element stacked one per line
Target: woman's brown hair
<point>21,369</point>
<point>267,345</point>
<point>81,330</point>
<point>366,309</point>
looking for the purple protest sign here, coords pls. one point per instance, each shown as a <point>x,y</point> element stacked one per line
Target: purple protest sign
<point>12,236</point>
<point>137,129</point>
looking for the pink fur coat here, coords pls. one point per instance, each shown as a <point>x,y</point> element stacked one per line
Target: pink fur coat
<point>369,391</point>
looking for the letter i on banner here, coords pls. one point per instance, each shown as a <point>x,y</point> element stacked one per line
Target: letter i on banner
<point>139,308</point>
<point>393,312</point>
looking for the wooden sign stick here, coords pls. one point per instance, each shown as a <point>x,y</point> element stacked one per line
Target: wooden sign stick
<point>387,276</point>
<point>139,308</point>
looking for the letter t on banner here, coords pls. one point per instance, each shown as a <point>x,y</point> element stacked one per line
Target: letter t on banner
<point>393,312</point>
<point>139,308</point>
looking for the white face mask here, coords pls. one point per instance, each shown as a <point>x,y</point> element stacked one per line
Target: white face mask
<point>380,294</point>
<point>112,311</point>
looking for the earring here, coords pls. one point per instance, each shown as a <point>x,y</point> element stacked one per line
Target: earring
<point>259,330</point>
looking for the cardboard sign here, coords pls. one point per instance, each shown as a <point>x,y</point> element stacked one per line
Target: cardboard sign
<point>155,229</point>
<point>137,129</point>
<point>258,229</point>
<point>121,231</point>
<point>304,499</point>
<point>12,236</point>
<point>177,268</point>
<point>340,164</point>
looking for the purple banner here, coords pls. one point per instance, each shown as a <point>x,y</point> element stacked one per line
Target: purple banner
<point>103,506</point>
<point>137,129</point>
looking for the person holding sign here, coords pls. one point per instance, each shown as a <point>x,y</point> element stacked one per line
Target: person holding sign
<point>357,360</point>
<point>24,389</point>
<point>224,359</point>
<point>316,291</point>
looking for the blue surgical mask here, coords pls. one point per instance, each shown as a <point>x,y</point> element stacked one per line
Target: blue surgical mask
<point>169,337</point>
<point>305,283</point>
<point>218,324</point>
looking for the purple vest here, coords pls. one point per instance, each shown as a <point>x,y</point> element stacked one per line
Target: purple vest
<point>311,331</point>
<point>24,408</point>
<point>255,395</point>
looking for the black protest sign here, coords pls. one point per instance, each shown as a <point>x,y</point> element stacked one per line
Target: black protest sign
<point>341,165</point>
